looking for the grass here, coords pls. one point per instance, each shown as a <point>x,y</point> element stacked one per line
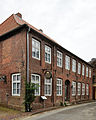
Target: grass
<point>9,114</point>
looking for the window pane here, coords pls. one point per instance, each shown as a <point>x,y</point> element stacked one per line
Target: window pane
<point>14,91</point>
<point>18,85</point>
<point>18,77</point>
<point>18,91</point>
<point>14,85</point>
<point>33,78</point>
<point>37,78</point>
<point>14,78</point>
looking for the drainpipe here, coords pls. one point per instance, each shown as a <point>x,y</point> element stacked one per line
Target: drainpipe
<point>28,54</point>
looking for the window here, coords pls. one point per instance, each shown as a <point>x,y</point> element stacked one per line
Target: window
<point>79,68</point>
<point>73,88</point>
<point>16,83</point>
<point>89,73</point>
<point>47,54</point>
<point>59,59</point>
<point>87,89</point>
<point>36,80</point>
<point>83,69</point>
<point>48,87</point>
<point>79,88</point>
<point>83,89</point>
<point>59,87</point>
<point>67,62</point>
<point>86,71</point>
<point>73,65</point>
<point>35,49</point>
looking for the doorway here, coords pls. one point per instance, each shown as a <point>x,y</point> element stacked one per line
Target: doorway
<point>67,90</point>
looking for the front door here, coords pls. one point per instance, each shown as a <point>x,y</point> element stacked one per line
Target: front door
<point>67,90</point>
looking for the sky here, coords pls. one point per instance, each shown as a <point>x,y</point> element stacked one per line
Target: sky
<point>71,23</point>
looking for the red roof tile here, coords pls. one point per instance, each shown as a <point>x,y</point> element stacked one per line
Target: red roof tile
<point>20,21</point>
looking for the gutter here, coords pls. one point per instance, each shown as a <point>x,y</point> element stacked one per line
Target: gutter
<point>28,55</point>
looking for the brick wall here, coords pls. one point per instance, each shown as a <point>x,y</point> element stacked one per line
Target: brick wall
<point>13,60</point>
<point>38,67</point>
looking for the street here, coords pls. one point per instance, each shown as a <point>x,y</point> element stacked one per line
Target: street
<point>85,111</point>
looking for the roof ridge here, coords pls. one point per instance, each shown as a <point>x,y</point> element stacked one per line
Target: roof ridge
<point>14,15</point>
<point>31,26</point>
<point>6,19</point>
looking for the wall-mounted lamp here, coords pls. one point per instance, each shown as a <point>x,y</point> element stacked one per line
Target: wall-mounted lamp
<point>3,78</point>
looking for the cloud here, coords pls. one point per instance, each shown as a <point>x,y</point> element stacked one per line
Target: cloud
<point>72,23</point>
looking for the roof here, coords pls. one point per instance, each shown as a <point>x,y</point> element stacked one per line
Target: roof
<point>15,21</point>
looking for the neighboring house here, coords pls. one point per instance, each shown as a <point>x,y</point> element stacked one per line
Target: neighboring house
<point>27,54</point>
<point>93,63</point>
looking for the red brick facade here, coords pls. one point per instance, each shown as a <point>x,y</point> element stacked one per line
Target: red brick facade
<point>13,59</point>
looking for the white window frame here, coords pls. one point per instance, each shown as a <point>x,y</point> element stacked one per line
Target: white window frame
<point>89,73</point>
<point>36,82</point>
<point>48,53</point>
<point>67,62</point>
<point>83,88</point>
<point>59,85</point>
<point>86,71</point>
<point>79,89</point>
<point>73,88</point>
<point>87,89</point>
<point>73,65</point>
<point>59,57</point>
<point>83,70</point>
<point>17,81</point>
<point>48,84</point>
<point>36,48</point>
<point>79,68</point>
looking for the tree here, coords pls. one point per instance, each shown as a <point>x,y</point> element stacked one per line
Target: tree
<point>29,95</point>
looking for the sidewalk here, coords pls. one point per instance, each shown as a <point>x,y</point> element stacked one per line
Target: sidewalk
<point>57,107</point>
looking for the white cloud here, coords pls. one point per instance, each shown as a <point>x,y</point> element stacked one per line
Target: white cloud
<point>72,23</point>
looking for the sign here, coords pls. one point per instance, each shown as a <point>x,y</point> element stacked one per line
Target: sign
<point>48,74</point>
<point>43,97</point>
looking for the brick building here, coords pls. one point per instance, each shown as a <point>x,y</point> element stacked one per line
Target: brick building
<point>93,63</point>
<point>27,54</point>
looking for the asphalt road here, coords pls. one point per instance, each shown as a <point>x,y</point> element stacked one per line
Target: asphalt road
<point>78,112</point>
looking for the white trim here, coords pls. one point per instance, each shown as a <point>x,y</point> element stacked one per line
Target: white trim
<point>59,85</point>
<point>74,88</point>
<point>83,70</point>
<point>86,71</point>
<point>67,62</point>
<point>45,83</point>
<point>36,82</point>
<point>79,89</point>
<point>33,39</point>
<point>73,65</point>
<point>90,73</point>
<point>87,89</point>
<point>16,84</point>
<point>48,53</point>
<point>83,88</point>
<point>79,68</point>
<point>60,53</point>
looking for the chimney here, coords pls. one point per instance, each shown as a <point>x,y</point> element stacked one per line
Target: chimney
<point>40,30</point>
<point>19,14</point>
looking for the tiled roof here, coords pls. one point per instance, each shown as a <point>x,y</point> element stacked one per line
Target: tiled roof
<point>15,21</point>
<point>20,21</point>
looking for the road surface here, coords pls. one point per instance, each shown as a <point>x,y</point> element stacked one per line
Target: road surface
<point>78,112</point>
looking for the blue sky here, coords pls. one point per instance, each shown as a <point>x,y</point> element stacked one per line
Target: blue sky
<point>71,23</point>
